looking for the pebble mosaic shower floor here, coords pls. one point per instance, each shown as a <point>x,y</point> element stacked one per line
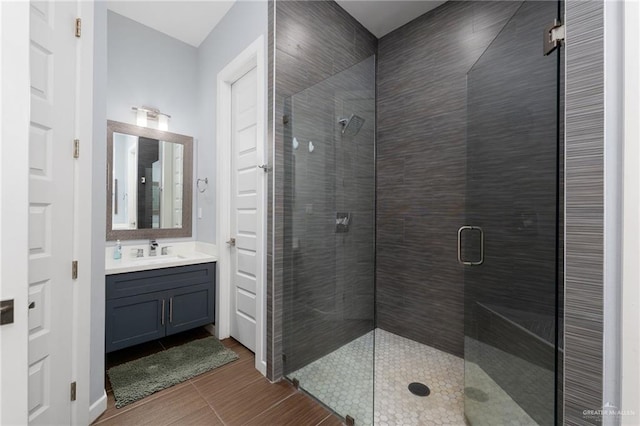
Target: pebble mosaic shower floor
<point>344,381</point>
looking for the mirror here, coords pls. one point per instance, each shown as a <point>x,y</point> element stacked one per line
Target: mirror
<point>149,175</point>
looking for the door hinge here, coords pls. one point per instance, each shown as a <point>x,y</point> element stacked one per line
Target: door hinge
<point>76,148</point>
<point>74,270</point>
<point>73,391</point>
<point>285,119</point>
<point>78,27</point>
<point>553,37</point>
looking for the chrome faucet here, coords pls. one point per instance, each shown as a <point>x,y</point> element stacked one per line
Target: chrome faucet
<point>153,245</point>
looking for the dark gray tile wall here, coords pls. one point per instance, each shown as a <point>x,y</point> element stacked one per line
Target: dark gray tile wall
<point>583,366</point>
<point>314,40</point>
<point>421,110</point>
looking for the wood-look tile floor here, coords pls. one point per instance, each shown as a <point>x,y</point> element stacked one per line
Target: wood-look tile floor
<point>234,394</point>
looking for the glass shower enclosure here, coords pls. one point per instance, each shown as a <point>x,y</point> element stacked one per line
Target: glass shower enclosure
<point>330,240</point>
<point>509,245</point>
<point>511,242</point>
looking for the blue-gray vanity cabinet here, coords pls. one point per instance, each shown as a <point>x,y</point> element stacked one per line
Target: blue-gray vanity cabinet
<point>147,305</point>
<point>190,307</point>
<point>134,319</point>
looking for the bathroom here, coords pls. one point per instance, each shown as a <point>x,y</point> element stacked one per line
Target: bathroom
<point>423,224</point>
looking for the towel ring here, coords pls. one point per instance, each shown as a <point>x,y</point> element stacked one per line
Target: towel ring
<point>206,184</point>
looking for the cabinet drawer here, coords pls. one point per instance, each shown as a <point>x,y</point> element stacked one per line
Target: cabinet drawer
<point>141,282</point>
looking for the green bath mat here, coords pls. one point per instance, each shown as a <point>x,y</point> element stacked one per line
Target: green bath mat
<point>136,379</point>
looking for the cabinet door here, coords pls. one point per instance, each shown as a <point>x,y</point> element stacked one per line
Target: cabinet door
<point>135,319</point>
<point>190,307</point>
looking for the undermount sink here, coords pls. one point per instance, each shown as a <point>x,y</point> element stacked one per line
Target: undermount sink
<point>154,260</point>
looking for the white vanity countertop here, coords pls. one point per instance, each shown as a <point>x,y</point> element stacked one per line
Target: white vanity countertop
<point>179,254</point>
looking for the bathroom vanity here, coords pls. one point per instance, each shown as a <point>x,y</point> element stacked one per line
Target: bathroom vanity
<point>153,291</point>
<point>149,298</point>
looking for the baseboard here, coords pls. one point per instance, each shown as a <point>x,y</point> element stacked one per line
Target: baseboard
<point>98,407</point>
<point>211,329</point>
<point>261,366</point>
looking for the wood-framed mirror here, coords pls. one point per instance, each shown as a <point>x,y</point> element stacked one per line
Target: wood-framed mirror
<point>149,183</point>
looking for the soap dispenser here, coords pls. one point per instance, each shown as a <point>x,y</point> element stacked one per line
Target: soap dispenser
<point>117,251</point>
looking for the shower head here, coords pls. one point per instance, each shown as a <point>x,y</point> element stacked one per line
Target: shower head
<point>352,125</point>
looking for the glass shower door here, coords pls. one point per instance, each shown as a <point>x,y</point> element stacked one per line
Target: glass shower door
<point>328,337</point>
<point>510,244</point>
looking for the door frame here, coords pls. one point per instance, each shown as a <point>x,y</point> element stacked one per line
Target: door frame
<point>14,191</point>
<point>631,245</point>
<point>83,410</point>
<point>251,57</point>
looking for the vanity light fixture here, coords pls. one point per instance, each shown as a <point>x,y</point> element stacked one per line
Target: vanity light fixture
<point>145,113</point>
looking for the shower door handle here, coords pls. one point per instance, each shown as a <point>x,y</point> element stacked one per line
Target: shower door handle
<point>470,228</point>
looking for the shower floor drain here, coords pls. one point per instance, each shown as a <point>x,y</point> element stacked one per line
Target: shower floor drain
<point>419,389</point>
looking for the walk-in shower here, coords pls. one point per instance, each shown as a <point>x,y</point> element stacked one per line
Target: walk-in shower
<point>419,244</point>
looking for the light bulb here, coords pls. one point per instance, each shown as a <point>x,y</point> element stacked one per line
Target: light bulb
<point>163,122</point>
<point>141,118</point>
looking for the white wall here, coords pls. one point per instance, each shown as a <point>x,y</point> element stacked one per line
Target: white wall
<point>241,26</point>
<point>147,67</point>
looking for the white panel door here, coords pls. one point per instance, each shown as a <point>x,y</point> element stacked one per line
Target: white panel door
<point>53,51</point>
<point>246,196</point>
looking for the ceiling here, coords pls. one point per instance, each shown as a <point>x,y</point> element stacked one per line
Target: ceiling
<point>383,16</point>
<point>187,21</point>
<point>191,21</point>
